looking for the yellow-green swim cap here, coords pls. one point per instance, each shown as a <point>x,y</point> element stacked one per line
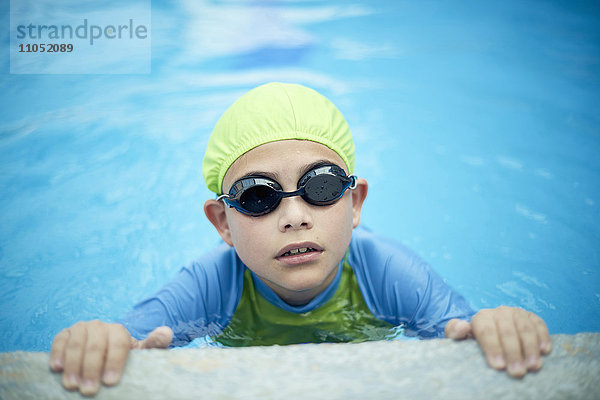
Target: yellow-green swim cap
<point>269,113</point>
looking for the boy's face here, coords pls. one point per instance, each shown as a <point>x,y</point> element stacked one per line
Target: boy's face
<point>261,241</point>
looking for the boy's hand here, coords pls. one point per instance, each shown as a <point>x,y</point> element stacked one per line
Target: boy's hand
<point>510,338</point>
<point>90,352</point>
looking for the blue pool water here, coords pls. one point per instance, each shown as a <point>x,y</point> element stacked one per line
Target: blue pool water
<point>476,125</point>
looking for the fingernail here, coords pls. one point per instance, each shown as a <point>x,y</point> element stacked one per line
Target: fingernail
<point>533,363</point>
<point>516,369</point>
<point>110,378</point>
<point>546,347</point>
<point>88,386</point>
<point>56,364</point>
<point>497,362</point>
<point>70,381</point>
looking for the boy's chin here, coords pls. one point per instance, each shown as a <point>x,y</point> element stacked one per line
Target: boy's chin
<point>307,287</point>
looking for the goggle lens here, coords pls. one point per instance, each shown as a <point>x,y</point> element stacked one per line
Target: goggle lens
<point>258,199</point>
<point>323,189</point>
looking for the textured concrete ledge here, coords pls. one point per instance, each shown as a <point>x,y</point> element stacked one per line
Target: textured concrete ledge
<point>375,370</point>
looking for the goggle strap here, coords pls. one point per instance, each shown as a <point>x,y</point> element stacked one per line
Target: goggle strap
<point>225,197</point>
<point>298,192</point>
<point>354,182</point>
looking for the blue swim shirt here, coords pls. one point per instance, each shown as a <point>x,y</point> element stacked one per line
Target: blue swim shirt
<point>380,285</point>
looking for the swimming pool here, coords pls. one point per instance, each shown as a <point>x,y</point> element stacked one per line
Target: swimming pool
<point>476,125</point>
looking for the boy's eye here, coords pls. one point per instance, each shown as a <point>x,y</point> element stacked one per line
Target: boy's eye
<point>247,182</point>
<point>323,169</point>
<point>257,193</point>
<point>259,198</point>
<point>324,187</point>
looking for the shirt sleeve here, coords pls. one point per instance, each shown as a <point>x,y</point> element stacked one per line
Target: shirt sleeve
<point>199,301</point>
<point>402,289</point>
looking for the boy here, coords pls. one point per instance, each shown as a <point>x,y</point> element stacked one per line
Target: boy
<point>293,269</point>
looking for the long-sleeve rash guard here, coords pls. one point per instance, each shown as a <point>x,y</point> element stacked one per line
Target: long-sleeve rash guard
<point>380,285</point>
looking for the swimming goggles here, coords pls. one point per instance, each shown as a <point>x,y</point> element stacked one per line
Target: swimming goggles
<point>259,195</point>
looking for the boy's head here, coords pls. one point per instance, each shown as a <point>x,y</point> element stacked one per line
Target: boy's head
<point>285,138</point>
<point>269,113</point>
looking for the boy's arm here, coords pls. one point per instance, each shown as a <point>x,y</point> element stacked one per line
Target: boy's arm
<point>408,292</point>
<point>400,288</point>
<point>511,338</point>
<point>92,352</point>
<point>200,295</point>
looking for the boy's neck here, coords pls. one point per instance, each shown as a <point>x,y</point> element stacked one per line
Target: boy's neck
<point>302,297</point>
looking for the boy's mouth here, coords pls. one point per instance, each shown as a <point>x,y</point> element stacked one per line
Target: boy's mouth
<point>293,252</point>
<point>299,253</point>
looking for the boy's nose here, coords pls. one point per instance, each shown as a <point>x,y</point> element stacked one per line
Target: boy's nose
<point>294,213</point>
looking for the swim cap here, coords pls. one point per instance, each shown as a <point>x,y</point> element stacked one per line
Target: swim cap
<point>269,113</point>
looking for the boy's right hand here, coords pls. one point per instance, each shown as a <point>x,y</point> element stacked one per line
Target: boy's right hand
<point>90,352</point>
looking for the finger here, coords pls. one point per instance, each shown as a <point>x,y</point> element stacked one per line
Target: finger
<point>530,340</point>
<point>93,358</point>
<point>543,335</point>
<point>160,338</point>
<point>458,329</point>
<point>511,343</point>
<point>57,353</point>
<point>74,355</point>
<point>486,333</point>
<point>119,344</point>
<point>527,333</point>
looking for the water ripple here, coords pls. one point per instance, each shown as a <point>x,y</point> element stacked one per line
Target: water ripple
<point>527,213</point>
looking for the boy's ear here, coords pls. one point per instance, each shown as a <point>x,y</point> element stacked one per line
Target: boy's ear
<point>359,194</point>
<point>215,212</point>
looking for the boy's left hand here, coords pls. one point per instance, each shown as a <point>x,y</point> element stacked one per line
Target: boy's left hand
<point>510,338</point>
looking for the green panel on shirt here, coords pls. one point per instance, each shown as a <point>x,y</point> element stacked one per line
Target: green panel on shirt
<point>344,318</point>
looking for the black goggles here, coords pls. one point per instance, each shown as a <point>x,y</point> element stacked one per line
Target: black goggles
<point>259,195</point>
